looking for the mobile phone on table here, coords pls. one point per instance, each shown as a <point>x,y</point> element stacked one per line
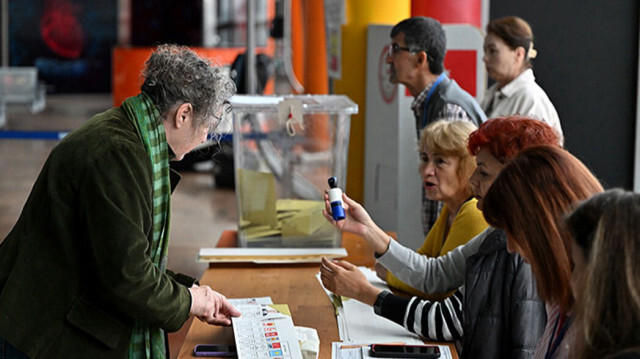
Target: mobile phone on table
<point>405,351</point>
<point>214,350</point>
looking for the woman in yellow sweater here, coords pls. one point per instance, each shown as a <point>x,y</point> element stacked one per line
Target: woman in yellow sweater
<point>446,167</point>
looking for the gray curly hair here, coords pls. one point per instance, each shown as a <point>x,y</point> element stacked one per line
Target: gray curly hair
<point>175,74</point>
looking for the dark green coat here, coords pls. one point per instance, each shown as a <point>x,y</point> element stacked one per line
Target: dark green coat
<point>75,270</point>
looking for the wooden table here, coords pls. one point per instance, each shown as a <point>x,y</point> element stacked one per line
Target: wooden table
<point>292,284</point>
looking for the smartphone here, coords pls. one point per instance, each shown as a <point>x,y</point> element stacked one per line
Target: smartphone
<point>405,351</point>
<point>215,350</point>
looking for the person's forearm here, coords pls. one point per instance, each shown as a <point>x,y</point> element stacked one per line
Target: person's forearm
<point>369,294</point>
<point>441,321</point>
<point>377,239</point>
<point>432,275</point>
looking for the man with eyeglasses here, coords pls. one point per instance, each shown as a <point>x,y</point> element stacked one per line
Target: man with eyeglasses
<point>416,60</point>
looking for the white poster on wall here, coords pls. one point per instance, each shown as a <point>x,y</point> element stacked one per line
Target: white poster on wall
<point>334,18</point>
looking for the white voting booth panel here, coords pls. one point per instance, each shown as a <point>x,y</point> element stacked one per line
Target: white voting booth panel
<point>392,183</point>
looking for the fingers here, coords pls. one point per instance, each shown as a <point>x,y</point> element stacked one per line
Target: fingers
<point>221,320</point>
<point>223,316</point>
<point>348,200</point>
<point>212,307</point>
<point>344,264</point>
<point>327,274</point>
<point>329,264</point>
<point>325,213</point>
<point>229,309</point>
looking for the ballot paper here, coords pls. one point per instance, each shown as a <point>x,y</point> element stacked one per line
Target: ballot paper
<point>250,301</point>
<point>269,255</point>
<point>265,331</point>
<point>357,323</point>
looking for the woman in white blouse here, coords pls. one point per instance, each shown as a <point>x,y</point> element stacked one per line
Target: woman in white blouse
<point>508,50</point>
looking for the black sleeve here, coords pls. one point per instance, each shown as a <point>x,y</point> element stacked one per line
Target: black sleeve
<point>440,321</point>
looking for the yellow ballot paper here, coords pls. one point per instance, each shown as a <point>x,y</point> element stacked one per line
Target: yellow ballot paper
<point>265,331</point>
<point>258,197</point>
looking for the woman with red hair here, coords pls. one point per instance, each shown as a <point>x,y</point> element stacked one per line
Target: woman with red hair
<point>494,143</point>
<point>529,201</point>
<point>503,315</point>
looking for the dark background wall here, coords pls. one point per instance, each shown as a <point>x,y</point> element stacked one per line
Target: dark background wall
<point>69,41</point>
<point>588,65</point>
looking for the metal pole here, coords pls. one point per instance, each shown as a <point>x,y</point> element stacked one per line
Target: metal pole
<point>209,23</point>
<point>124,22</point>
<point>5,33</point>
<point>286,48</point>
<point>250,59</point>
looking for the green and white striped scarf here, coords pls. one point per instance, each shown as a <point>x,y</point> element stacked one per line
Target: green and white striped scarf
<point>148,342</point>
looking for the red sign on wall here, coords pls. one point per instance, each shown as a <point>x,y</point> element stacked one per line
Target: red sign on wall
<point>461,65</point>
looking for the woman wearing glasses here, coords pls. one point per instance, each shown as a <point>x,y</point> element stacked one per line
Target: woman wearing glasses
<point>508,50</point>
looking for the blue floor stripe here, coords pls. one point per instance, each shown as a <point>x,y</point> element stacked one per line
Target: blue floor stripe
<point>33,135</point>
<point>59,135</point>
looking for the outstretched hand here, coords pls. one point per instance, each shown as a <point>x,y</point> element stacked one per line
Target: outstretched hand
<point>358,221</point>
<point>345,279</point>
<point>210,306</point>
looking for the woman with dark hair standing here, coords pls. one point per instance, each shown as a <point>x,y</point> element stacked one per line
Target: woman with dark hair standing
<point>529,200</point>
<point>508,50</point>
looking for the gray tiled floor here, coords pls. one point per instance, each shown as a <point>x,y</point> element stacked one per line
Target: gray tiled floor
<point>200,211</point>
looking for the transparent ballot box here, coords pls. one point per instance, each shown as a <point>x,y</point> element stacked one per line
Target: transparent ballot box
<point>284,150</point>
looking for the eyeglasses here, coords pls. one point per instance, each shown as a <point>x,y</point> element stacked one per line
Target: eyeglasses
<point>222,115</point>
<point>393,49</point>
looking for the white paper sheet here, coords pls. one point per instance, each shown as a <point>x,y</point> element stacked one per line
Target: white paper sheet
<point>358,323</point>
<point>341,350</point>
<point>269,255</point>
<point>265,331</point>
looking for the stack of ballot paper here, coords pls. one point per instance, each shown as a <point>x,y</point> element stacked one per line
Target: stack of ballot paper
<point>264,330</point>
<point>358,323</point>
<point>268,221</point>
<point>359,326</point>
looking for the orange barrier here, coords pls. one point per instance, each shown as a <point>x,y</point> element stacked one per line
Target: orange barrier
<point>128,63</point>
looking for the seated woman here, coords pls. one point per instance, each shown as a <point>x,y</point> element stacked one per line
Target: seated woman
<point>503,315</point>
<point>445,167</point>
<point>494,143</point>
<point>606,275</point>
<point>529,200</point>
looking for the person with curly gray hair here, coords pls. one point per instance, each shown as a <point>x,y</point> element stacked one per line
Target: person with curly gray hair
<point>83,272</point>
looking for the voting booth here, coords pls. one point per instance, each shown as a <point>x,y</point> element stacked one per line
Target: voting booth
<point>285,150</point>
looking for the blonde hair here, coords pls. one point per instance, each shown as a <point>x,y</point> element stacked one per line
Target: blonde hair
<point>449,138</point>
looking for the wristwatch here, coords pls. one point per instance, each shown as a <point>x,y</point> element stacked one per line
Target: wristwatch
<point>377,306</point>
